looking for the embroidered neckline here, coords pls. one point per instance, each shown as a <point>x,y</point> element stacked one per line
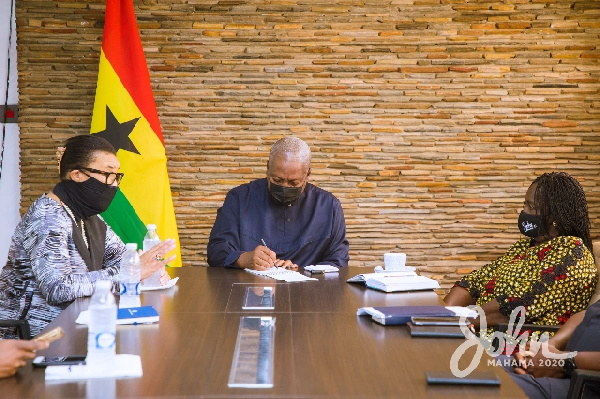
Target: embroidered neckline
<point>70,212</point>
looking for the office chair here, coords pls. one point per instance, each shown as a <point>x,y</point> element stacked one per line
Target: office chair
<point>21,326</point>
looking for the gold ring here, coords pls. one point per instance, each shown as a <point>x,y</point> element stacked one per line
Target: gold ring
<point>159,258</point>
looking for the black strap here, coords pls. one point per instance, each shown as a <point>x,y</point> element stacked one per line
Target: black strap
<point>28,299</point>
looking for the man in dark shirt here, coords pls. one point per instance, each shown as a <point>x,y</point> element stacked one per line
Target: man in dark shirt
<point>280,221</point>
<point>541,377</point>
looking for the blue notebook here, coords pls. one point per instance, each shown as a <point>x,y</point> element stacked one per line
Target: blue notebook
<point>139,315</point>
<point>398,315</point>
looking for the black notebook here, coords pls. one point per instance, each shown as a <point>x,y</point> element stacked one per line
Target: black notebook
<point>435,331</point>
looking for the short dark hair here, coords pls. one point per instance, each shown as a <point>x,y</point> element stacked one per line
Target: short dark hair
<point>80,152</point>
<point>560,197</point>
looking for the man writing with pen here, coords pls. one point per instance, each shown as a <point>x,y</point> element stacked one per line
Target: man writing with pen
<point>281,220</point>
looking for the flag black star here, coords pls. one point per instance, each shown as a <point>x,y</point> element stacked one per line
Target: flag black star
<point>118,133</point>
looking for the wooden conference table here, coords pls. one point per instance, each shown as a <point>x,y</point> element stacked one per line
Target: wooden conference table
<point>322,349</point>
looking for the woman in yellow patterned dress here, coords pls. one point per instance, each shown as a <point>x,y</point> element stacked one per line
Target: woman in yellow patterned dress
<point>551,272</point>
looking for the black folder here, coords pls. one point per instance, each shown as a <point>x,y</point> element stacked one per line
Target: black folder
<point>435,331</point>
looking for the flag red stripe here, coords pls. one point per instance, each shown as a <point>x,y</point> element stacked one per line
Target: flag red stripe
<point>123,49</point>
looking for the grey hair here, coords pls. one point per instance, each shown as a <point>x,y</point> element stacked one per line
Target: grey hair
<point>291,148</point>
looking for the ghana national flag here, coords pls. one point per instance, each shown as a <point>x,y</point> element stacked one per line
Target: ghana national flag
<point>125,114</point>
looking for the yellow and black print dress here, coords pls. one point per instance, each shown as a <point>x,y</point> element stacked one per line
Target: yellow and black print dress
<point>553,280</point>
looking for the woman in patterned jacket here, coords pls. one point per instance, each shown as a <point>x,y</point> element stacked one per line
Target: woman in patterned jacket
<point>61,246</point>
<point>551,273</point>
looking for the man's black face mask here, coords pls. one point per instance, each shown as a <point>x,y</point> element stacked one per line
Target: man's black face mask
<point>284,195</point>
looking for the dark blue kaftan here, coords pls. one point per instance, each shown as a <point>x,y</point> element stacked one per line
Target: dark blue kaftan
<point>309,232</point>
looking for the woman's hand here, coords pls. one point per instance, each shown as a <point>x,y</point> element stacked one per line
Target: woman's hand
<point>153,259</point>
<point>164,277</point>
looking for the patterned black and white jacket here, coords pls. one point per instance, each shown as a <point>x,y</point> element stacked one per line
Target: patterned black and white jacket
<point>49,264</point>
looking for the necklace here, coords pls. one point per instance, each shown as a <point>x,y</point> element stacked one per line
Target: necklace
<point>75,220</point>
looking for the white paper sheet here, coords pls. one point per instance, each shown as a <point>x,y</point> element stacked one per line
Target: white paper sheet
<point>126,366</point>
<point>280,273</point>
<point>169,284</point>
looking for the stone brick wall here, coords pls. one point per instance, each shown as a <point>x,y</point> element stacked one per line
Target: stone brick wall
<point>427,118</point>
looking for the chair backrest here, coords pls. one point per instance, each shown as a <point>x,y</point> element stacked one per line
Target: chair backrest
<point>596,245</point>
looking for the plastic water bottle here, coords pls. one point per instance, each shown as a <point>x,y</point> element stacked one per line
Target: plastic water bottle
<point>150,240</point>
<point>102,329</point>
<point>130,277</point>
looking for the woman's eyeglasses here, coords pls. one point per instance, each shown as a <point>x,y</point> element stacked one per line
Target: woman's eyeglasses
<point>111,177</point>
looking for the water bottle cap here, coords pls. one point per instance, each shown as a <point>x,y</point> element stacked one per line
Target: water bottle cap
<point>131,245</point>
<point>103,285</point>
<point>151,227</point>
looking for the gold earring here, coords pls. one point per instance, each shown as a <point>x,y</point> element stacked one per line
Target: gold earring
<point>59,154</point>
<point>554,223</point>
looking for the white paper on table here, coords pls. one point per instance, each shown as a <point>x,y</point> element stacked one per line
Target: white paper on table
<point>463,311</point>
<point>281,273</point>
<point>134,315</point>
<point>126,366</point>
<point>370,311</point>
<point>169,284</point>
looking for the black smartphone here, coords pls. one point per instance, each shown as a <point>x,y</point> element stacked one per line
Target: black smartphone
<point>475,378</point>
<point>43,361</point>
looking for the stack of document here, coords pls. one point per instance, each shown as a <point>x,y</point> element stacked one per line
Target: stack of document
<point>361,278</point>
<point>401,283</point>
<point>393,281</point>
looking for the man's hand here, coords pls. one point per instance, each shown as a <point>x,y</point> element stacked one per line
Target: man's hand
<point>262,258</point>
<point>14,354</point>
<point>534,363</point>
<point>288,264</point>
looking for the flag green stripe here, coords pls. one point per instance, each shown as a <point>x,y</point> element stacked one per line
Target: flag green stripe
<point>123,219</point>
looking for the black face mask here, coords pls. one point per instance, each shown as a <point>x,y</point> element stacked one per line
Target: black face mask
<point>284,195</point>
<point>87,198</point>
<point>530,225</point>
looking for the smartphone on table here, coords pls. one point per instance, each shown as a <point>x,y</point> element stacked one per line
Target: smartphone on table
<point>51,336</point>
<point>43,361</point>
<point>475,378</point>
